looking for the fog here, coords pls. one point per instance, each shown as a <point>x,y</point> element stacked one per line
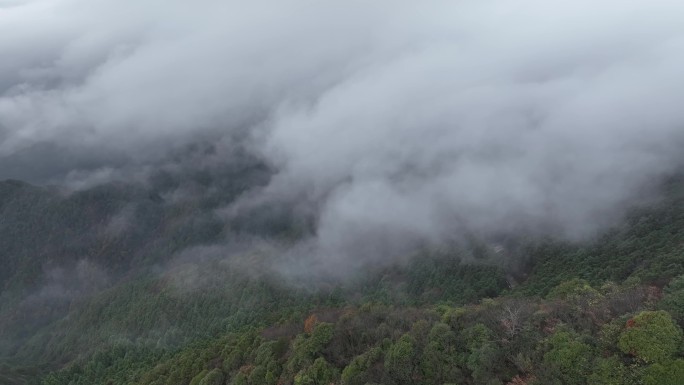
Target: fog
<point>393,124</point>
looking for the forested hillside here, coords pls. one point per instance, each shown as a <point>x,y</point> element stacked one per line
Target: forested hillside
<point>131,307</point>
<point>230,192</point>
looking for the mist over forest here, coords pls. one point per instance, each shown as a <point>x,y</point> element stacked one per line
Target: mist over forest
<point>302,192</point>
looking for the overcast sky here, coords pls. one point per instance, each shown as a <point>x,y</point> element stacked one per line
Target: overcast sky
<point>400,121</point>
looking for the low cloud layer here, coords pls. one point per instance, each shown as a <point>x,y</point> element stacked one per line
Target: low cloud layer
<point>396,123</point>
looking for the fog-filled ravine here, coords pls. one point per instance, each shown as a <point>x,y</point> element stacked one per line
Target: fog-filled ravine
<point>347,192</point>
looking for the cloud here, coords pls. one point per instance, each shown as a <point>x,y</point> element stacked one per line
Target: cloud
<point>397,123</point>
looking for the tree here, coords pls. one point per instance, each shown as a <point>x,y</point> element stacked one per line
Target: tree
<point>673,301</point>
<point>306,347</point>
<point>399,360</point>
<point>568,360</point>
<point>651,336</point>
<point>573,289</point>
<point>484,356</point>
<point>319,373</point>
<point>196,380</point>
<point>214,377</point>
<point>484,363</point>
<point>439,361</point>
<point>356,373</point>
<point>608,371</point>
<point>310,323</point>
<point>667,373</point>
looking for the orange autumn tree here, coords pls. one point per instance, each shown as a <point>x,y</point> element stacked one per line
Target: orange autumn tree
<point>310,323</point>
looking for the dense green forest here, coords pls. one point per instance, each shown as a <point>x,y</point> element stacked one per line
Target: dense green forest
<point>89,299</point>
<point>289,192</point>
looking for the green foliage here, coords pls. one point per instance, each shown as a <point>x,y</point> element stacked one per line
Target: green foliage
<point>214,377</point>
<point>665,373</point>
<point>319,338</point>
<point>356,373</point>
<point>608,371</point>
<point>440,360</point>
<point>434,320</point>
<point>483,362</point>
<point>319,373</point>
<point>646,248</point>
<point>415,347</point>
<point>651,336</point>
<point>610,333</point>
<point>673,301</point>
<point>568,361</point>
<point>400,360</point>
<point>477,336</point>
<point>446,278</point>
<point>307,347</point>
<point>199,378</point>
<point>572,290</point>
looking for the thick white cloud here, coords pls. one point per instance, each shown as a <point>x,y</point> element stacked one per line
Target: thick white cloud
<point>403,121</point>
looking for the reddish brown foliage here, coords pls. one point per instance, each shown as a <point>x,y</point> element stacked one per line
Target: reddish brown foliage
<point>653,294</point>
<point>518,380</point>
<point>246,369</point>
<point>310,323</point>
<point>289,331</point>
<point>550,325</point>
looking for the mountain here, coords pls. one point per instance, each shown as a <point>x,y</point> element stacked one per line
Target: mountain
<point>133,283</point>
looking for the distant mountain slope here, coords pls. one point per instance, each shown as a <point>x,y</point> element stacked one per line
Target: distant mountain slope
<point>103,270</point>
